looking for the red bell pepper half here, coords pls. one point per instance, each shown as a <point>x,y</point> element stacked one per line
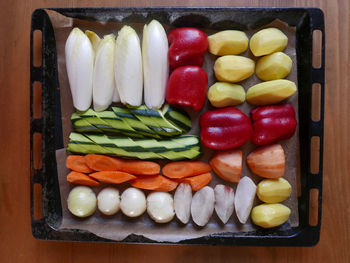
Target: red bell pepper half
<point>187,86</point>
<point>273,123</point>
<point>225,128</point>
<point>187,47</point>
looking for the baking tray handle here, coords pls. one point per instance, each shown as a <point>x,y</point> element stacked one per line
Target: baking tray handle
<point>314,180</point>
<point>44,133</point>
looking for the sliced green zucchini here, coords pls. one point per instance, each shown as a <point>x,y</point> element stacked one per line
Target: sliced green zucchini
<point>137,125</point>
<point>177,117</point>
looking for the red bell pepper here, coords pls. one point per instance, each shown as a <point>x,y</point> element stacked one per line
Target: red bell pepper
<point>187,86</point>
<point>225,128</point>
<point>187,47</point>
<point>273,123</point>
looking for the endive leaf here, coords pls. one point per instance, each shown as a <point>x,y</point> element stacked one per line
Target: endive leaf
<point>155,64</point>
<point>79,63</point>
<point>103,79</point>
<point>128,67</point>
<point>94,39</point>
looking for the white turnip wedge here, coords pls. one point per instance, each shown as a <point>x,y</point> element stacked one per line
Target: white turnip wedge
<point>202,206</point>
<point>224,202</point>
<point>155,64</point>
<point>245,194</point>
<point>128,67</point>
<point>103,81</point>
<point>80,66</point>
<point>182,202</point>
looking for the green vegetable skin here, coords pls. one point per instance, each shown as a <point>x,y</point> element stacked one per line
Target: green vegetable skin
<point>139,122</point>
<point>178,148</point>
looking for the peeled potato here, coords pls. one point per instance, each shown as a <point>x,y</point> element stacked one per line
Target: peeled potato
<point>274,66</point>
<point>270,92</point>
<point>267,41</point>
<point>274,190</point>
<point>223,94</point>
<point>270,215</point>
<point>228,42</point>
<point>233,68</point>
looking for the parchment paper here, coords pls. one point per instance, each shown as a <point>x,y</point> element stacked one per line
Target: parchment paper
<point>119,226</point>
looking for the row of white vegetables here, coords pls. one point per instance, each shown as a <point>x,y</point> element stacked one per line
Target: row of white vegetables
<point>112,69</point>
<point>162,207</point>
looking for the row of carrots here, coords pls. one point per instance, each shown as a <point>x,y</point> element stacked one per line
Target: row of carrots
<point>93,169</point>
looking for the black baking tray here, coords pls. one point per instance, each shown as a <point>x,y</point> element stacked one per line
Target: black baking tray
<point>306,20</point>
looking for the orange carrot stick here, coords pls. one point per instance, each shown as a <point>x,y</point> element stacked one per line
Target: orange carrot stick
<point>106,163</point>
<point>77,163</point>
<point>154,182</point>
<point>80,178</point>
<point>103,163</point>
<point>198,182</point>
<point>140,167</point>
<point>113,177</point>
<point>185,169</point>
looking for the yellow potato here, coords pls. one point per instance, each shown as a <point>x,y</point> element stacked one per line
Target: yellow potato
<point>228,42</point>
<point>270,92</point>
<point>233,68</point>
<point>274,66</point>
<point>223,94</point>
<point>273,190</point>
<point>267,41</point>
<point>270,215</point>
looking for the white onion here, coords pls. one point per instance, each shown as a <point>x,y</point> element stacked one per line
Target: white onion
<point>133,202</point>
<point>108,201</point>
<point>82,201</point>
<point>160,207</point>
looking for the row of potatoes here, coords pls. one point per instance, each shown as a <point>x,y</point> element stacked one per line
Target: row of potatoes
<point>231,68</point>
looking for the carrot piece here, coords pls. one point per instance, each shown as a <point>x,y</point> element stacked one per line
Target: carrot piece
<point>106,163</point>
<point>198,182</point>
<point>185,169</point>
<point>77,163</point>
<point>113,177</point>
<point>154,182</point>
<point>228,165</point>
<point>80,178</point>
<point>103,163</point>
<point>140,167</point>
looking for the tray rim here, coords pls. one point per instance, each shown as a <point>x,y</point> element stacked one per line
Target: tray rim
<point>44,228</point>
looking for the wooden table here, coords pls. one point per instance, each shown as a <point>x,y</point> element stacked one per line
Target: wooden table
<point>17,243</point>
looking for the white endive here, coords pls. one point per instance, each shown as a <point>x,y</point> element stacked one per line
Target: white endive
<point>94,38</point>
<point>116,97</point>
<point>128,67</point>
<point>80,65</point>
<point>103,80</point>
<point>155,64</point>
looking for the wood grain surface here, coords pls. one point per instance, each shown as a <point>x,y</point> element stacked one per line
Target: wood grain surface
<point>16,241</point>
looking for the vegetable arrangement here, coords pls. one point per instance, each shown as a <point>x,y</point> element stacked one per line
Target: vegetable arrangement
<point>102,71</point>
